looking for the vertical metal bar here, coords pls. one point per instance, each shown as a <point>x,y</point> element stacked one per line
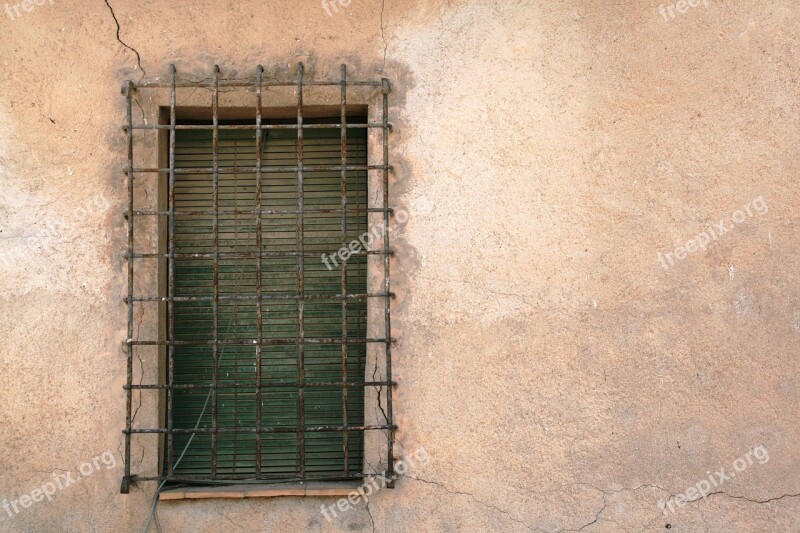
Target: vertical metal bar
<point>129,400</point>
<point>386,287</point>
<point>215,268</point>
<point>301,375</point>
<point>259,323</point>
<point>343,120</point>
<point>171,274</point>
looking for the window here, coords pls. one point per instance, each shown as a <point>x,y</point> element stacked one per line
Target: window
<point>265,284</point>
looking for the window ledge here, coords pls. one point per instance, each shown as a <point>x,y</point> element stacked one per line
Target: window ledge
<point>258,491</point>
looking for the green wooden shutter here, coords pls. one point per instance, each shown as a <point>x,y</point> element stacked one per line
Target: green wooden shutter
<point>324,455</point>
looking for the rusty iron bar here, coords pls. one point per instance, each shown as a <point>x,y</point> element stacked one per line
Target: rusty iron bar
<point>250,255</point>
<point>259,322</point>
<point>331,211</point>
<point>171,268</point>
<point>263,126</point>
<point>215,268</point>
<point>245,297</point>
<point>387,288</point>
<point>277,478</point>
<point>125,487</point>
<point>285,341</point>
<point>269,169</point>
<point>350,210</point>
<point>343,120</point>
<point>278,384</point>
<point>301,374</point>
<point>250,84</point>
<point>272,429</point>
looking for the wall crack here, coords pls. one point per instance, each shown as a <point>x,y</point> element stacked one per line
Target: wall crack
<point>489,505</point>
<point>760,502</point>
<point>383,36</point>
<point>138,57</point>
<point>371,520</point>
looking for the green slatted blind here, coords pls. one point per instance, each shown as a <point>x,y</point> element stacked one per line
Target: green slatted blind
<point>324,455</point>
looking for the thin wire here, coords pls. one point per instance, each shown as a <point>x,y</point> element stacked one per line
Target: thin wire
<point>153,513</point>
<point>158,490</point>
<point>202,413</point>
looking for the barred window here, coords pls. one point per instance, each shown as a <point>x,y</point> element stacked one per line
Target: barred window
<point>270,278</point>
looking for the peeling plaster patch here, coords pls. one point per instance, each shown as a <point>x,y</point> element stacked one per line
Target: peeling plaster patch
<point>40,245</point>
<point>743,303</point>
<point>795,323</point>
<point>5,133</point>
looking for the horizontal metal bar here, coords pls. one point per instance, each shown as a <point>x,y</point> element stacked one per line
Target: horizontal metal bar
<point>313,429</point>
<point>264,168</point>
<point>353,210</point>
<point>221,478</point>
<point>252,342</point>
<point>209,84</point>
<point>248,255</point>
<point>264,385</point>
<point>255,297</point>
<point>253,126</point>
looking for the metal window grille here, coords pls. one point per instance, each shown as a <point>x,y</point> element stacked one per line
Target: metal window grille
<point>194,349</point>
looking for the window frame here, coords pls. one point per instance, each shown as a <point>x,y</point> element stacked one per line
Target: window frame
<point>378,277</point>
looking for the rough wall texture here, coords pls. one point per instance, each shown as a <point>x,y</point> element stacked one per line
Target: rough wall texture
<point>560,376</point>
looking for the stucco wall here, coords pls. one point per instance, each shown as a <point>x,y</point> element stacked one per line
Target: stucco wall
<point>558,376</point>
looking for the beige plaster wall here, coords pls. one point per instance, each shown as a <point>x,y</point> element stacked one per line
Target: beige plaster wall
<point>557,375</point>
